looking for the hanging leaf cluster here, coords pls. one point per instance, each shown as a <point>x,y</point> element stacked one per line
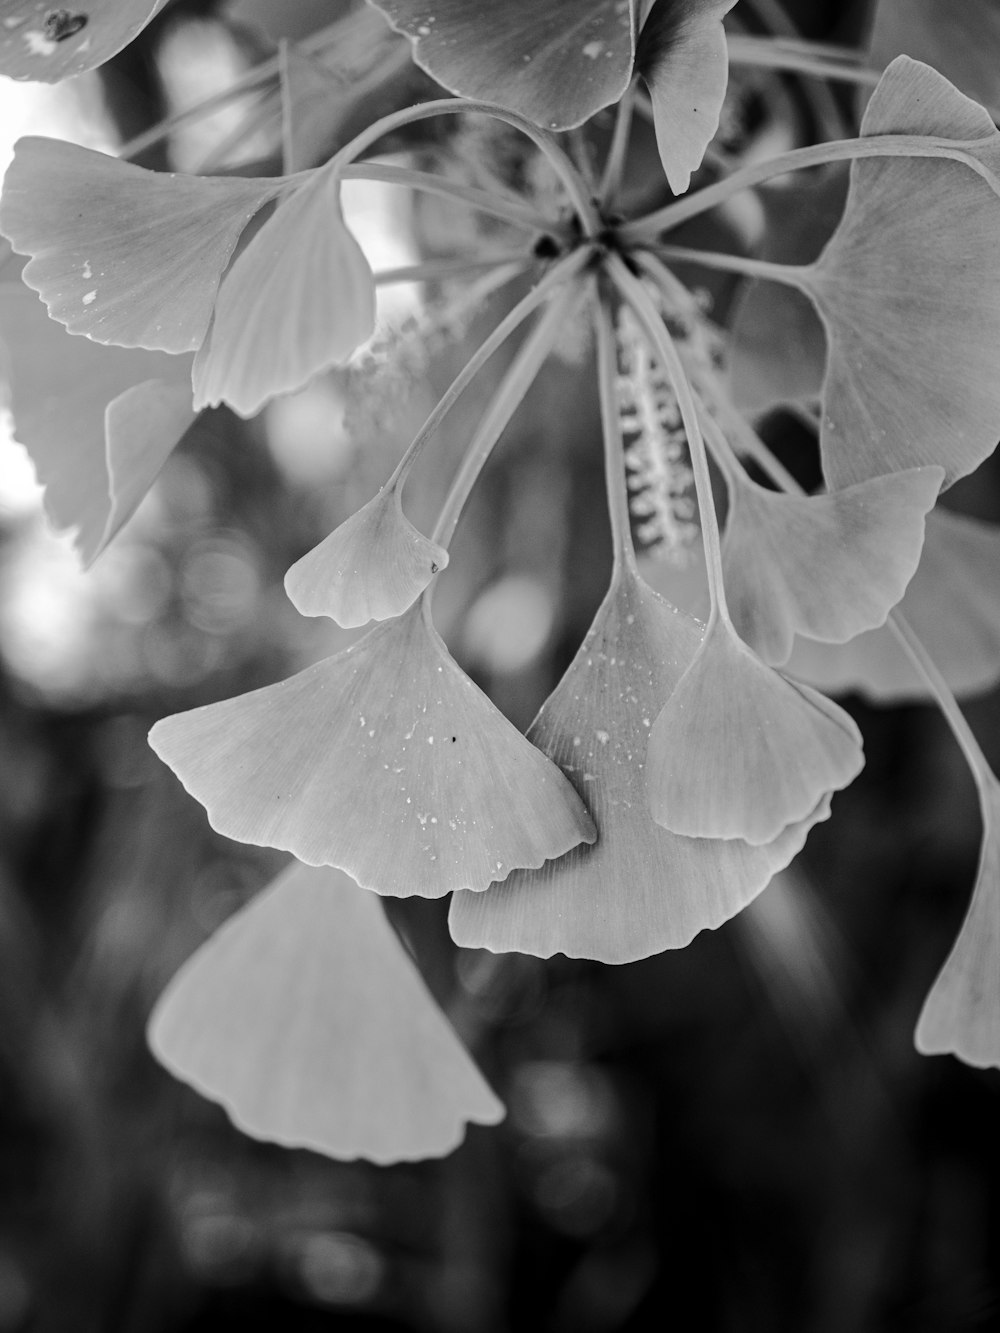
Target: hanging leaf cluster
<point>678,765</point>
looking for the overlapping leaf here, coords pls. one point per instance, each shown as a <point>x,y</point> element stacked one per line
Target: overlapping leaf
<point>384,760</point>
<point>97,422</point>
<point>127,256</point>
<point>824,566</point>
<point>556,63</point>
<point>304,1016</point>
<point>738,751</point>
<point>910,296</point>
<point>372,567</point>
<point>299,298</point>
<point>639,889</point>
<point>961,1015</point>
<point>52,43</point>
<point>683,58</point>
<point>953,605</point>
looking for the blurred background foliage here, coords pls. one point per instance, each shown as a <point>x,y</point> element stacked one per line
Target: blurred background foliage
<point>738,1136</point>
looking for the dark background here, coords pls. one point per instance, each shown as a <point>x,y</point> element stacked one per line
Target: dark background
<point>739,1136</point>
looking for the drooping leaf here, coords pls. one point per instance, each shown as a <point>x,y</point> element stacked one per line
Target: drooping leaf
<point>953,605</point>
<point>961,1015</point>
<point>304,1016</point>
<point>384,760</point>
<point>683,58</point>
<point>824,566</point>
<point>738,751</point>
<point>300,298</point>
<point>909,296</point>
<point>961,41</point>
<point>98,422</point>
<point>556,63</point>
<point>51,43</point>
<point>776,346</point>
<point>124,255</point>
<point>639,889</point>
<point>372,567</point>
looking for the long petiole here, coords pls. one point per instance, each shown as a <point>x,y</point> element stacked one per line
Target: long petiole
<point>622,546</point>
<point>614,164</point>
<point>522,215</point>
<point>572,181</point>
<point>393,61</point>
<point>762,53</point>
<point>439,270</point>
<point>558,274</point>
<point>515,384</point>
<point>745,265</point>
<point>645,311</point>
<point>798,159</point>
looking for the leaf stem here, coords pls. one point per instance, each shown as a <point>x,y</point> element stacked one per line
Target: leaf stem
<point>801,58</point>
<point>557,275</point>
<point>614,164</point>
<point>798,159</point>
<point>572,181</point>
<point>459,266</point>
<point>515,384</point>
<point>745,265</point>
<point>522,215</point>
<point>622,546</point>
<point>645,311</point>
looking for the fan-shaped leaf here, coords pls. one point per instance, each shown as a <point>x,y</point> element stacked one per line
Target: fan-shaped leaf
<point>97,422</point>
<point>556,63</point>
<point>776,343</point>
<point>370,568</point>
<point>304,1016</point>
<point>738,751</point>
<point>384,760</point>
<point>127,256</point>
<point>961,1015</point>
<point>300,298</point>
<point>639,889</point>
<point>824,566</point>
<point>910,297</point>
<point>49,44</point>
<point>683,58</point>
<point>953,604</point>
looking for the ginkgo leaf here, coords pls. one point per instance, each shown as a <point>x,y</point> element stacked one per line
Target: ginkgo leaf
<point>738,751</point>
<point>300,298</point>
<point>683,58</point>
<point>776,345</point>
<point>824,566</point>
<point>953,605</point>
<point>370,568</point>
<point>639,889</point>
<point>98,422</point>
<point>127,256</point>
<point>385,760</point>
<point>961,41</point>
<point>961,1015</point>
<point>304,1016</point>
<point>49,44</point>
<point>556,63</point>
<point>908,296</point>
